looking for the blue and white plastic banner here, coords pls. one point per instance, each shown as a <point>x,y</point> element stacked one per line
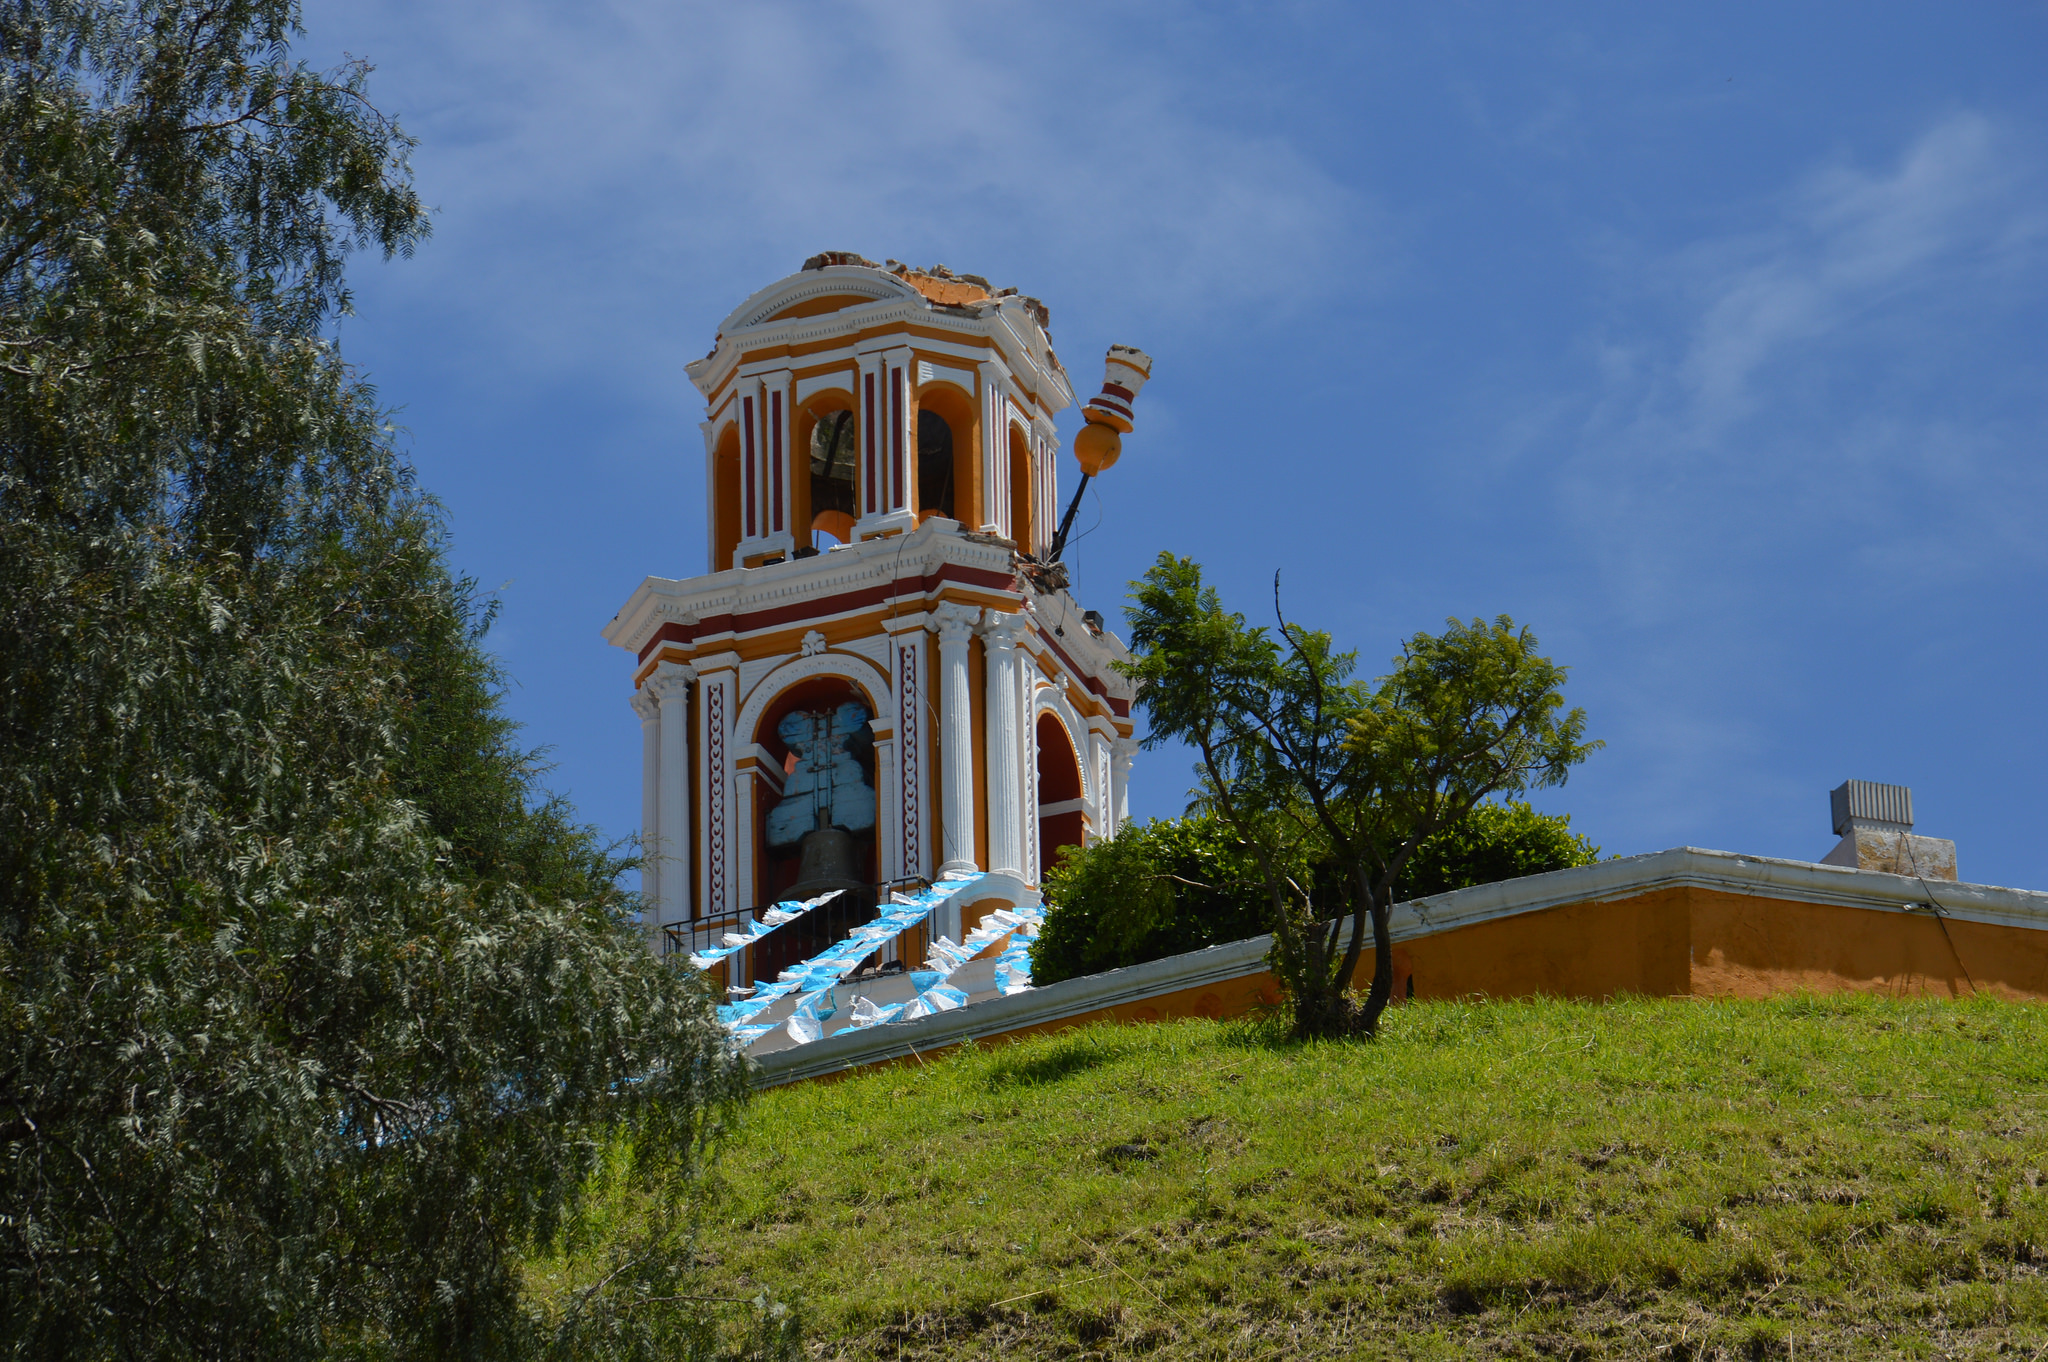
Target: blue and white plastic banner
<point>734,942</point>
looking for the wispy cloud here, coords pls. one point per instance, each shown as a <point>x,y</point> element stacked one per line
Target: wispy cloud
<point>1953,211</point>
<point>1810,376</point>
<point>1793,438</point>
<point>760,133</point>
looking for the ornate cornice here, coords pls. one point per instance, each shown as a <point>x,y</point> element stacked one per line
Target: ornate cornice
<point>739,591</point>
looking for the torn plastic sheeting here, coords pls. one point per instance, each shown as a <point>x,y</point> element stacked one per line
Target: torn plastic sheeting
<point>933,995</point>
<point>946,956</point>
<point>1013,966</point>
<point>825,969</point>
<point>787,911</point>
<point>836,961</point>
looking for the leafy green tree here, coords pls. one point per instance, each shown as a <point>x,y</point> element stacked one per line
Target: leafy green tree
<point>1178,884</point>
<point>1332,784</point>
<point>1155,889</point>
<point>316,1014</point>
<point>1495,841</point>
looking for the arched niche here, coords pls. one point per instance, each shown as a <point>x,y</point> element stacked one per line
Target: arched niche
<point>821,682</point>
<point>1023,490</point>
<point>957,410</point>
<point>825,479</point>
<point>725,497</point>
<point>1062,798</point>
<point>817,728</point>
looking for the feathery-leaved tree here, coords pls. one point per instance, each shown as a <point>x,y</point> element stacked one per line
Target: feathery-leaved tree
<point>1332,784</point>
<point>316,1015</point>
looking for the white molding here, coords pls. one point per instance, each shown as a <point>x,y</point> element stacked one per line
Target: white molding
<point>862,673</point>
<point>754,669</point>
<point>874,647</point>
<point>806,284</point>
<point>839,381</point>
<point>1048,699</point>
<point>863,565</point>
<point>998,324</point>
<point>928,372</point>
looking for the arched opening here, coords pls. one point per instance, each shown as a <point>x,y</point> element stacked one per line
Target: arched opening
<point>815,813</point>
<point>948,471</point>
<point>1022,518</point>
<point>1062,820</point>
<point>934,465</point>
<point>725,491</point>
<point>835,459</point>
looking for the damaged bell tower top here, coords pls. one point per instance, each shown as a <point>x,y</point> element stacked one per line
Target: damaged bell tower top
<point>881,484</point>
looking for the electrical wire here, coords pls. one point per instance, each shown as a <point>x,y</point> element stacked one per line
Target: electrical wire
<point>1934,907</point>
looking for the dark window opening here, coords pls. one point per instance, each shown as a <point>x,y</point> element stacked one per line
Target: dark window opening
<point>833,460</point>
<point>934,464</point>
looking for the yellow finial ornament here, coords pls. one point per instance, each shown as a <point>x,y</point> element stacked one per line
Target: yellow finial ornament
<point>1100,443</point>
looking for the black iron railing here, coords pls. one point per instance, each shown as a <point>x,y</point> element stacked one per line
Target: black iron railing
<point>788,944</point>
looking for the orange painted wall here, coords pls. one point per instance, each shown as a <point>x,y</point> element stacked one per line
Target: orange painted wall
<point>1669,943</point>
<point>1749,948</point>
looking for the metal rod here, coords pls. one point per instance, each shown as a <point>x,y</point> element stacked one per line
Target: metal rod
<point>1059,541</point>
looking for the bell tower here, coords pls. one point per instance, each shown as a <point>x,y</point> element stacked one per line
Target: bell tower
<point>881,677</point>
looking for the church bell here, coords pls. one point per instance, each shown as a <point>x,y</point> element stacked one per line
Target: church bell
<point>827,860</point>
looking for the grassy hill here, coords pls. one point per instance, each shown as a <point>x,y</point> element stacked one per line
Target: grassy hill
<point>1811,1178</point>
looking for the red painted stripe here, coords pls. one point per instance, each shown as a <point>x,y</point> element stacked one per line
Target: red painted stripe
<point>868,410</point>
<point>747,408</point>
<point>828,605</point>
<point>896,438</point>
<point>775,451</point>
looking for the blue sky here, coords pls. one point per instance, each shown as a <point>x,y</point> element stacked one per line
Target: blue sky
<point>1710,345</point>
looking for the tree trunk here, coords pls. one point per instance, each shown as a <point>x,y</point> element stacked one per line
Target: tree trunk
<point>1382,966</point>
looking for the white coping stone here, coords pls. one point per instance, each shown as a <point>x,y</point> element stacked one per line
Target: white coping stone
<point>1624,877</point>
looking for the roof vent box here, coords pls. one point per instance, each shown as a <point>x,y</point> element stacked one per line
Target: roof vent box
<point>1875,823</point>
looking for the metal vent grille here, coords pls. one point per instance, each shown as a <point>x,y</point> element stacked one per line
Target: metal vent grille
<point>1872,803</point>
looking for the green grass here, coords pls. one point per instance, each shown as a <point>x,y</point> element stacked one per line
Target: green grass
<point>1829,1178</point>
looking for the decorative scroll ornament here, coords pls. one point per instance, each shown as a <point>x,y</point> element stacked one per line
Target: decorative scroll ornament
<point>671,681</point>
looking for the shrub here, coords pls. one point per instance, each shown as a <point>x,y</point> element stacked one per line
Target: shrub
<point>1178,884</point>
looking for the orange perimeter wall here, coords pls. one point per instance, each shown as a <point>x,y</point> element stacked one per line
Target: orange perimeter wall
<point>1673,942</point>
<point>1669,943</point>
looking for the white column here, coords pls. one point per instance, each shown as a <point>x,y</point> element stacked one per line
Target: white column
<point>670,685</point>
<point>956,738</point>
<point>1005,742</point>
<point>649,711</point>
<point>995,462</point>
<point>710,429</point>
<point>1048,511</point>
<point>889,809</point>
<point>900,457</point>
<point>1121,753</point>
<point>747,887</point>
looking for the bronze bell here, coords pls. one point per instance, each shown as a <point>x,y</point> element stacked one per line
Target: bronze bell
<point>827,859</point>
